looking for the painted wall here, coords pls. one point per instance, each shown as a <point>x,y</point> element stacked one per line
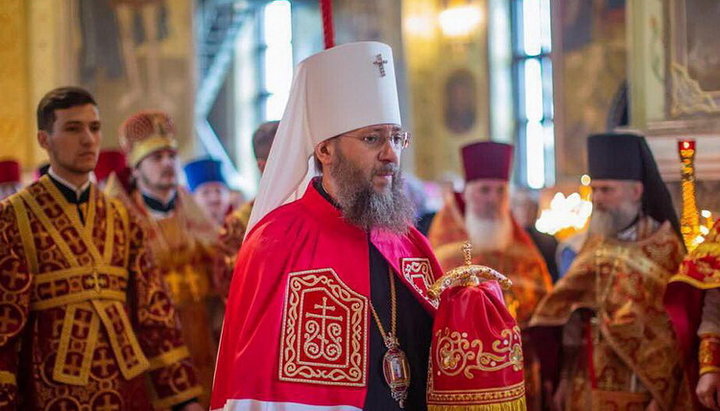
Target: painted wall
<point>590,68</point>
<point>129,58</point>
<point>448,88</point>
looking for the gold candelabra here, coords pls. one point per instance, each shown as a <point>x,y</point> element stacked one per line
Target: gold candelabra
<point>689,217</point>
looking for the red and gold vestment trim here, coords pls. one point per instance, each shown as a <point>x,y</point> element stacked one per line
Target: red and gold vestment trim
<point>82,308</point>
<point>455,354</point>
<point>418,272</point>
<point>623,284</point>
<point>91,293</point>
<point>324,331</point>
<point>709,353</point>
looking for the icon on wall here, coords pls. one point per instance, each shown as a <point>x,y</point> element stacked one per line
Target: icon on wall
<point>460,101</point>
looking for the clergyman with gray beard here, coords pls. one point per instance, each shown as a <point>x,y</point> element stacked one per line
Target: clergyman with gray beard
<point>613,291</point>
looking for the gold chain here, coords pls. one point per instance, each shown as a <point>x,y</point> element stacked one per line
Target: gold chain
<point>393,310</point>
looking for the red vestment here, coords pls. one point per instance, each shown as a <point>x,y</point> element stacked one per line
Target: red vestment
<point>84,316</point>
<point>296,331</point>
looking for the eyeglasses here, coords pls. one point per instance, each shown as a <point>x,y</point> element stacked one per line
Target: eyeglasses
<point>398,140</point>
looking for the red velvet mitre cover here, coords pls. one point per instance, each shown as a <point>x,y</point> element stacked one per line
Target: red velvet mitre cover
<point>9,171</point>
<point>476,359</point>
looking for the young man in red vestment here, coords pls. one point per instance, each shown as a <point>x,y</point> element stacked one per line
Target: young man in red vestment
<point>329,306</point>
<point>85,318</point>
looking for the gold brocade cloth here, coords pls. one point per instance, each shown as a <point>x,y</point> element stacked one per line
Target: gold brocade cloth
<point>634,350</point>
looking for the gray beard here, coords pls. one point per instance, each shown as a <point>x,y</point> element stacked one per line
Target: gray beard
<point>609,223</point>
<point>488,234</point>
<point>362,206</point>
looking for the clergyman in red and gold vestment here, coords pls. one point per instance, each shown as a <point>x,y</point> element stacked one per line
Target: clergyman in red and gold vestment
<point>85,318</point>
<point>329,307</point>
<point>693,302</point>
<point>481,215</point>
<point>619,351</point>
<point>180,236</point>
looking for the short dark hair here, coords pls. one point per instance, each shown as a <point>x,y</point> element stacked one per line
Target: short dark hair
<point>262,139</point>
<point>58,99</point>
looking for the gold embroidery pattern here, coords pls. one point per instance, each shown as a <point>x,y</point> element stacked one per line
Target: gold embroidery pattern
<point>324,331</point>
<point>82,350</point>
<point>456,354</point>
<point>488,396</point>
<point>418,272</point>
<point>709,353</point>
<point>77,343</point>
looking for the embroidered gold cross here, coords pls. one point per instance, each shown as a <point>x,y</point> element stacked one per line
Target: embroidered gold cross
<point>324,317</point>
<point>103,362</point>
<point>107,404</point>
<point>381,64</point>
<point>8,321</point>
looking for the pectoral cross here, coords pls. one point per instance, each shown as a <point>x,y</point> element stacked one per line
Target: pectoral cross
<point>381,64</point>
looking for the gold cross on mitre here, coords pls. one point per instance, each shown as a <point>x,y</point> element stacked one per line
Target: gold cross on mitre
<point>381,64</point>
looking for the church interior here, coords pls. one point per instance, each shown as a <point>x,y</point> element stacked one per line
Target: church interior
<point>537,74</point>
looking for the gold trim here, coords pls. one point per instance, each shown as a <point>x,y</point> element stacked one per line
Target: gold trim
<point>682,278</point>
<point>51,276</point>
<point>6,377</point>
<point>142,362</point>
<point>142,149</point>
<point>89,225</point>
<point>123,213</point>
<point>169,402</point>
<point>109,246</point>
<point>513,405</point>
<point>708,369</point>
<point>66,335</point>
<point>456,355</point>
<point>74,219</point>
<point>351,374</point>
<point>486,396</point>
<point>415,265</point>
<point>26,235</point>
<point>51,229</point>
<point>168,358</point>
<point>87,295</point>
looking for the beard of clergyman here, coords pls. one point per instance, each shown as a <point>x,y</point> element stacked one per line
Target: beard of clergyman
<point>364,207</point>
<point>489,234</point>
<point>609,223</point>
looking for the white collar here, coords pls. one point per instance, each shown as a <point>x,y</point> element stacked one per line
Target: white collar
<point>78,190</point>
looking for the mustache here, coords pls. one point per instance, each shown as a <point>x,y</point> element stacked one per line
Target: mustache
<point>386,168</point>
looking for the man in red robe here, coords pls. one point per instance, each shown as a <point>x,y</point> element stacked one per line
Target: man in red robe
<point>482,216</point>
<point>329,306</point>
<point>86,321</point>
<point>693,302</point>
